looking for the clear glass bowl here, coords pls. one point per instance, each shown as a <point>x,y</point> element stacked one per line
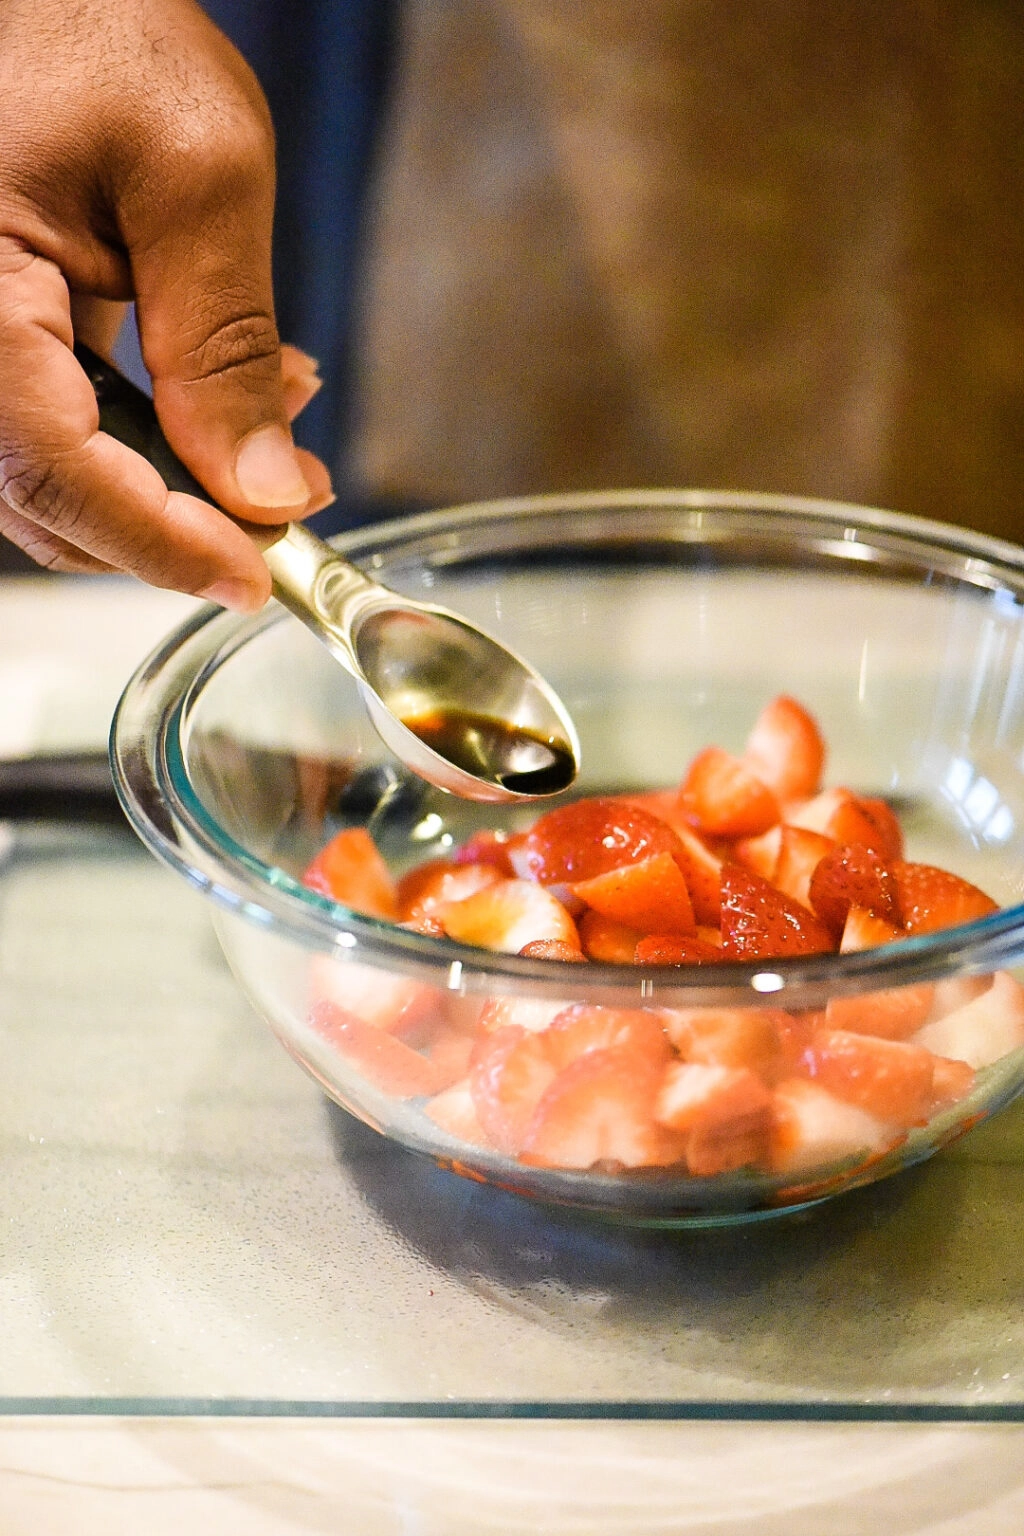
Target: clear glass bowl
<point>665,620</point>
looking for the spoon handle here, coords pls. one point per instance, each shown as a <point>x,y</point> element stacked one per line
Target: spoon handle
<point>296,558</point>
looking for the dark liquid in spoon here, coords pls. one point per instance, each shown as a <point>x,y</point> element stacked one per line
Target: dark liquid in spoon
<point>510,755</point>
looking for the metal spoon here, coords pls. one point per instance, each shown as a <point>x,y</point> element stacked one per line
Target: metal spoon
<point>452,703</point>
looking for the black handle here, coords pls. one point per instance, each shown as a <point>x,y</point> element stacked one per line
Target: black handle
<point>128,414</point>
<point>69,786</point>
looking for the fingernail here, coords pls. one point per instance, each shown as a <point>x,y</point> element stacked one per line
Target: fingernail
<point>298,392</point>
<point>267,470</point>
<point>239,596</point>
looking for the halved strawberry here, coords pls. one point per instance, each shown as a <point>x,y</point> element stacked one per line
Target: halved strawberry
<point>649,894</point>
<point>676,949</point>
<point>850,818</point>
<point>552,949</point>
<point>866,930</point>
<point>758,922</point>
<point>933,898</point>
<point>849,875</point>
<point>349,869</point>
<point>428,886</point>
<point>723,1113</point>
<point>951,1082</point>
<point>389,1064</point>
<point>895,1013</point>
<point>813,1128</point>
<point>723,796</point>
<point>586,1027</point>
<point>486,847</point>
<point>700,865</point>
<point>760,854</point>
<point>530,1013</point>
<point>386,1000</point>
<point>608,942</point>
<point>510,1068</point>
<point>800,853</point>
<point>727,1037</point>
<point>588,837</point>
<point>600,1111</point>
<point>890,1078</point>
<point>786,749</point>
<point>508,915</point>
<point>982,1031</point>
<point>453,1111</point>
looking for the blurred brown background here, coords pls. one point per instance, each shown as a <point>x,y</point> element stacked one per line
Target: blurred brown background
<point>775,246</point>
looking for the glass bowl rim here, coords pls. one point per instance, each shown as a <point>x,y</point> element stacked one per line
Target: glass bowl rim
<point>152,783</point>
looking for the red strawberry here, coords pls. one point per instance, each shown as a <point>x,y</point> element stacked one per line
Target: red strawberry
<point>349,869</point>
<point>386,1001</point>
<point>786,749</point>
<point>758,922</point>
<point>453,1111</point>
<point>606,941</point>
<point>600,1111</point>
<point>728,1037</point>
<point>813,1128</point>
<point>586,1027</point>
<point>589,837</point>
<point>932,898</point>
<point>850,818</point>
<point>388,1063</point>
<point>800,853</point>
<point>981,1031</point>
<point>650,895</point>
<point>429,885</point>
<point>551,949</point>
<point>891,1078</point>
<point>865,930</point>
<point>508,915</point>
<point>701,867</point>
<point>893,1014</point>
<point>760,854</point>
<point>852,875</point>
<point>485,847</point>
<point>951,1082</point>
<point>529,1013</point>
<point>723,1113</point>
<point>509,1070</point>
<point>723,796</point>
<point>675,949</point>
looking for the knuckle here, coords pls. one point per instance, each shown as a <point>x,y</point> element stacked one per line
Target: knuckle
<point>38,492</point>
<point>245,346</point>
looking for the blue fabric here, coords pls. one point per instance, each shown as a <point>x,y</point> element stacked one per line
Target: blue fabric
<point>324,66</point>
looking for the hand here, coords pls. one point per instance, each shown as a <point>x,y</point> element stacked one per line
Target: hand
<point>138,164</point>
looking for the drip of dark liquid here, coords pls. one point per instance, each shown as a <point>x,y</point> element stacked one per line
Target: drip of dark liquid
<point>510,755</point>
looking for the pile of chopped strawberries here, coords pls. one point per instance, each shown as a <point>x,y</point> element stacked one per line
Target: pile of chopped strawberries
<point>749,858</point>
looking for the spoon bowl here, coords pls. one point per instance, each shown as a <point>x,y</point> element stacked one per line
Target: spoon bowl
<point>456,706</point>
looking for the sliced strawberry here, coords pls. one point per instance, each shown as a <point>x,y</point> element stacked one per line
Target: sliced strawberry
<point>389,1064</point>
<point>890,1078</point>
<point>430,885</point>
<point>529,1013</point>
<point>349,869</point>
<point>724,1114</point>
<point>453,1111</point>
<point>508,915</point>
<point>600,1111</point>
<point>486,847</point>
<point>589,837</point>
<point>866,930</point>
<point>951,1082</point>
<point>509,1071</point>
<point>723,796</point>
<point>701,866</point>
<point>849,875</point>
<point>551,949</point>
<point>800,853</point>
<point>385,1000</point>
<point>760,854</point>
<point>586,1027</point>
<point>850,818</point>
<point>727,1037</point>
<point>895,1013</point>
<point>786,749</point>
<point>982,1031</point>
<point>933,898</point>
<point>813,1128</point>
<point>676,949</point>
<point>649,895</point>
<point>758,922</point>
<point>608,942</point>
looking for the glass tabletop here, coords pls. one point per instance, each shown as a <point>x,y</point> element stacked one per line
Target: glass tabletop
<point>190,1227</point>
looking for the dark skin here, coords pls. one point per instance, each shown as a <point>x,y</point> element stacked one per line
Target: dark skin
<point>138,164</point>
